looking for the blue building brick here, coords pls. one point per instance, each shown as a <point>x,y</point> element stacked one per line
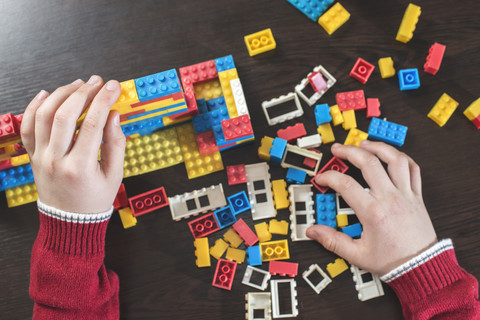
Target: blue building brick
<point>239,202</point>
<point>217,116</point>
<point>312,8</point>
<point>322,114</point>
<point>16,176</point>
<point>387,131</point>
<point>143,127</point>
<point>354,231</point>
<point>225,217</point>
<point>224,63</point>
<point>326,209</point>
<point>254,257</point>
<point>157,85</point>
<point>202,106</point>
<point>215,104</point>
<point>277,150</point>
<point>295,175</point>
<point>408,79</point>
<point>206,121</point>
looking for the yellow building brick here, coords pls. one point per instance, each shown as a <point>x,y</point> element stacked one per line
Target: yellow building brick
<point>349,119</point>
<point>202,252</point>
<point>337,267</point>
<point>21,195</point>
<point>20,160</point>
<point>409,23</point>
<point>274,250</point>
<point>278,227</point>
<point>225,77</point>
<point>264,149</point>
<point>168,121</point>
<point>336,114</point>
<point>342,220</point>
<point>473,110</point>
<point>280,194</point>
<point>218,249</point>
<point>236,255</point>
<point>208,90</point>
<point>325,130</point>
<point>128,95</point>
<point>260,42</point>
<point>386,67</point>
<point>443,110</point>
<point>128,220</point>
<point>262,232</point>
<point>334,18</point>
<point>233,238</point>
<point>355,136</point>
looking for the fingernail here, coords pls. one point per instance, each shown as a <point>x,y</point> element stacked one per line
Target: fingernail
<point>93,79</point>
<point>41,95</point>
<point>116,120</point>
<point>77,82</point>
<point>335,145</point>
<point>111,85</point>
<point>364,142</point>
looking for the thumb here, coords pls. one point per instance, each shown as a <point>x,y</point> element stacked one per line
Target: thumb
<point>113,147</point>
<point>334,241</point>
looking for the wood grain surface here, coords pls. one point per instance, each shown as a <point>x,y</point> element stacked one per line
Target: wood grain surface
<point>45,44</point>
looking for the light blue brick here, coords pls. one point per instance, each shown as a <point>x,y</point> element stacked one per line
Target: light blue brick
<point>326,209</point>
<point>295,175</point>
<point>408,79</point>
<point>157,85</point>
<point>322,114</point>
<point>387,131</point>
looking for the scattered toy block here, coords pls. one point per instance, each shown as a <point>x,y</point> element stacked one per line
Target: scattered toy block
<point>277,150</point>
<point>342,220</point>
<point>264,149</point>
<point>225,217</point>
<point>218,249</point>
<point>121,199</point>
<point>203,226</point>
<point>157,85</point>
<point>326,209</point>
<point>476,122</point>
<point>239,202</point>
<point>127,217</point>
<point>313,9</point>
<point>366,289</point>
<point>473,110</point>
<point>260,42</point>
<point>224,274</point>
<point>334,164</point>
<point>233,238</point>
<point>226,78</point>
<point>290,98</point>
<point>278,227</point>
<point>20,160</point>
<point>362,70</point>
<point>262,232</point>
<point>325,130</point>
<point>386,67</point>
<point>336,114</point>
<point>20,195</point>
<point>245,232</point>
<point>236,128</point>
<point>128,95</point>
<point>295,175</point>
<point>408,79</point>
<point>282,268</point>
<point>280,194</point>
<point>434,58</point>
<point>249,272</point>
<point>388,132</point>
<point>292,133</point>
<point>337,267</point>
<point>236,174</point>
<point>351,100</point>
<point>320,285</point>
<point>316,78</point>
<point>148,201</point>
<point>308,142</point>
<point>355,136</point>
<point>409,23</point>
<point>202,252</point>
<point>292,308</point>
<point>291,149</point>
<point>317,81</point>
<point>354,230</point>
<point>9,129</point>
<point>373,107</point>
<point>322,114</point>
<point>206,142</point>
<point>274,250</point>
<point>334,18</point>
<point>310,162</point>
<point>254,257</point>
<point>236,255</point>
<point>224,63</point>
<point>443,110</point>
<point>349,118</point>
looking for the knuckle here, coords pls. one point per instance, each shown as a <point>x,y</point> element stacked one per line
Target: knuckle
<point>371,160</point>
<point>90,124</point>
<point>61,118</point>
<point>346,182</point>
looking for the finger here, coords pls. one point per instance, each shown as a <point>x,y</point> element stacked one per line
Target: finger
<point>397,162</point>
<point>27,130</point>
<point>65,119</point>
<point>335,241</point>
<point>113,147</point>
<point>44,115</point>
<point>89,138</point>
<point>352,192</point>
<point>415,176</point>
<point>371,167</point>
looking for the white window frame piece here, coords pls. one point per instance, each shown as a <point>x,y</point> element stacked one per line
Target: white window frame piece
<point>276,302</point>
<point>301,193</point>
<point>366,290</point>
<point>322,284</point>
<point>248,275</point>
<point>292,96</point>
<point>303,152</point>
<point>330,80</point>
<point>312,141</point>
<point>258,301</point>
<point>178,203</point>
<point>259,172</point>
<point>239,97</point>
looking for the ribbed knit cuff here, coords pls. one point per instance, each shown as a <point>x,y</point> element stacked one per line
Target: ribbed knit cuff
<point>427,273</point>
<point>72,233</point>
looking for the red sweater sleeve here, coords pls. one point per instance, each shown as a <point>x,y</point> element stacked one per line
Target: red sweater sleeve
<point>433,286</point>
<point>68,279</point>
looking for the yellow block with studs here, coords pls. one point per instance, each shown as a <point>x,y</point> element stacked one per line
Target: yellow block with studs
<point>334,18</point>
<point>386,67</point>
<point>336,114</point>
<point>443,110</point>
<point>280,194</point>
<point>128,220</point>
<point>278,227</point>
<point>233,238</point>
<point>342,220</point>
<point>202,252</point>
<point>218,249</point>
<point>337,267</point>
<point>355,136</point>
<point>21,195</point>
<point>264,149</point>
<point>325,130</point>
<point>236,255</point>
<point>349,119</point>
<point>262,232</point>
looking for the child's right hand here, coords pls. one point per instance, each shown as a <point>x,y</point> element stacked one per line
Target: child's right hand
<point>396,224</point>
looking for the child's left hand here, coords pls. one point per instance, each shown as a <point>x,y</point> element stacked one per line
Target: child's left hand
<point>68,174</point>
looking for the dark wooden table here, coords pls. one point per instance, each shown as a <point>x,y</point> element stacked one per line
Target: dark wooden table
<point>45,44</point>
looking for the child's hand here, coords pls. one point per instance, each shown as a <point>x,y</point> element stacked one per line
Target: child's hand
<point>67,173</point>
<point>396,224</point>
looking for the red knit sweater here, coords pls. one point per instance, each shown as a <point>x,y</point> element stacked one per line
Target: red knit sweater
<point>69,280</point>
